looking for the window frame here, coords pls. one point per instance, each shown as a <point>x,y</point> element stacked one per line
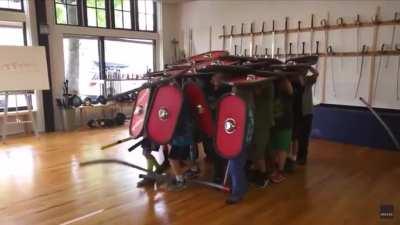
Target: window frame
<point>154,18</point>
<point>78,12</point>
<point>100,53</point>
<point>128,40</point>
<point>110,16</point>
<point>131,12</point>
<point>14,10</point>
<point>106,10</point>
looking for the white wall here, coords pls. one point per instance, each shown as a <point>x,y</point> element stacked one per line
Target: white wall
<point>170,20</point>
<point>200,15</point>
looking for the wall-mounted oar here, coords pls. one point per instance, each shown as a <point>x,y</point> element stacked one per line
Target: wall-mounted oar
<point>241,39</point>
<point>298,38</point>
<point>378,72</point>
<point>273,40</point>
<point>357,22</point>
<point>340,23</point>
<point>396,20</point>
<point>330,53</point>
<point>223,37</point>
<point>251,47</point>
<point>312,34</point>
<point>262,36</point>
<point>316,67</point>
<point>363,52</point>
<point>286,38</point>
<point>231,40</point>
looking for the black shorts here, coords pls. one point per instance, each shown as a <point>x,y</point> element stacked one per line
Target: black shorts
<point>180,152</point>
<point>296,130</point>
<point>199,136</point>
<point>148,146</point>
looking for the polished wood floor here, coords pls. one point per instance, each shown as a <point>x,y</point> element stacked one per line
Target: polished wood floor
<point>41,183</point>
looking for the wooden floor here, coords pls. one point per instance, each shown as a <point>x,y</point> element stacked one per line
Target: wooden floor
<point>41,183</point>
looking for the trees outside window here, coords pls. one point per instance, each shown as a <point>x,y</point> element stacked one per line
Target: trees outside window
<point>96,13</point>
<point>93,64</point>
<point>81,64</point>
<point>122,14</point>
<point>67,12</point>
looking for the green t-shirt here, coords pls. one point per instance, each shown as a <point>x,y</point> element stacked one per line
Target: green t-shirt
<point>263,103</point>
<point>283,110</point>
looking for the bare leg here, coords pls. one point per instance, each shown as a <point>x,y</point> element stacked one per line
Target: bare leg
<point>281,159</point>
<point>261,166</point>
<point>152,163</point>
<point>175,167</point>
<point>294,149</point>
<point>201,157</point>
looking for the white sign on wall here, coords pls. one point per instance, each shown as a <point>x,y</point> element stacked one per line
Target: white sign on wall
<point>23,68</point>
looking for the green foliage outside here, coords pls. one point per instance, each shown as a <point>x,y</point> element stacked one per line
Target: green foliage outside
<point>61,11</point>
<point>61,14</point>
<point>118,4</point>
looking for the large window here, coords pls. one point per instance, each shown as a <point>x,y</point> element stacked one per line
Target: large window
<point>126,58</point>
<point>96,13</point>
<point>122,14</point>
<point>11,4</point>
<point>146,11</point>
<point>67,12</point>
<point>95,66</point>
<point>12,33</point>
<point>137,15</point>
<point>81,65</point>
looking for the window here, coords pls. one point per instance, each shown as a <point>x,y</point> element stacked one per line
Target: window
<point>146,12</point>
<point>12,33</point>
<point>122,14</point>
<point>138,15</point>
<point>120,60</point>
<point>67,12</point>
<point>127,58</point>
<point>96,13</point>
<point>11,4</point>
<point>81,65</point>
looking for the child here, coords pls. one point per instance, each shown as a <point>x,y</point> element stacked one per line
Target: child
<point>281,133</point>
<point>180,147</point>
<point>263,117</point>
<point>298,89</point>
<point>214,91</point>
<point>237,165</point>
<point>307,116</point>
<point>152,164</point>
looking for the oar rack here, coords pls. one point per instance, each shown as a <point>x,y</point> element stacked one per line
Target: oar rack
<point>341,54</point>
<point>324,26</point>
<point>316,28</point>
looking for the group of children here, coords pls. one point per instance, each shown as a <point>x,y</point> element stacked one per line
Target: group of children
<point>281,114</point>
